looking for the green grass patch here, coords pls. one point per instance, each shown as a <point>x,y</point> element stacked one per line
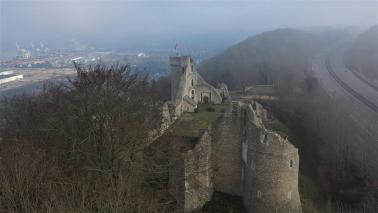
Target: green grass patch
<point>223,203</point>
<point>190,124</point>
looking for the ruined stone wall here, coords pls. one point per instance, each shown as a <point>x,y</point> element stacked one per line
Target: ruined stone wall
<point>227,151</point>
<point>188,105</point>
<point>190,175</point>
<point>186,81</point>
<point>166,121</point>
<point>182,74</point>
<point>239,156</point>
<point>203,88</point>
<point>198,174</point>
<point>176,185</point>
<point>270,167</point>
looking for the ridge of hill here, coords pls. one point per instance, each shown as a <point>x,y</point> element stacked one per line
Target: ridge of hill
<point>280,57</point>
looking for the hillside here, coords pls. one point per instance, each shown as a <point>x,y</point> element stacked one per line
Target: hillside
<point>261,59</point>
<point>363,54</point>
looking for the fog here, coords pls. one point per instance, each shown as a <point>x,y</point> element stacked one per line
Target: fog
<point>124,23</point>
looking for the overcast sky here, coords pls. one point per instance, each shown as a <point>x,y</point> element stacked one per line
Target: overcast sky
<point>135,20</point>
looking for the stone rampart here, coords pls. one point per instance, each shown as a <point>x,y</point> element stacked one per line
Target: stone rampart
<point>190,173</point>
<point>270,167</point>
<point>227,151</point>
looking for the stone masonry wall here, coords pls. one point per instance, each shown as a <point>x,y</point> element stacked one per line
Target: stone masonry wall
<point>227,151</point>
<point>187,82</point>
<point>239,156</point>
<point>190,175</point>
<point>198,174</point>
<point>270,168</point>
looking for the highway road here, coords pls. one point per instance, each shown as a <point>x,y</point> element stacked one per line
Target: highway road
<point>350,92</point>
<point>330,68</point>
<point>362,91</point>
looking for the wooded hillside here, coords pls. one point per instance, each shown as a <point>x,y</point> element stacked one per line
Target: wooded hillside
<point>363,54</point>
<point>261,59</point>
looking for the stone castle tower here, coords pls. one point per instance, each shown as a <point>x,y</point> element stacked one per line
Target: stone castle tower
<point>270,166</point>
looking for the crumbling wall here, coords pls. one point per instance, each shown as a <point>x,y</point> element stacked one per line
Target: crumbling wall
<point>166,121</point>
<point>227,151</point>
<point>190,175</point>
<point>176,185</point>
<point>198,174</point>
<point>183,76</point>
<point>187,82</point>
<point>239,156</point>
<point>205,89</point>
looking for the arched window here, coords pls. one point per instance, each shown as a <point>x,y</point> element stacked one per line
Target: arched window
<point>192,82</point>
<point>291,163</point>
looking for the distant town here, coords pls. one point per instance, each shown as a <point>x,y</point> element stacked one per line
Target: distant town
<point>41,56</point>
<point>28,66</point>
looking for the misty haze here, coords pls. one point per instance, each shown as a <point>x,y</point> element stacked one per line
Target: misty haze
<point>189,106</point>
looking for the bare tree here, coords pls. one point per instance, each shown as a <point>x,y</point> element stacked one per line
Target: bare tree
<point>80,146</point>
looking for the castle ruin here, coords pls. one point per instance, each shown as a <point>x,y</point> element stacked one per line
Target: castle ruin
<point>237,154</point>
<point>188,88</point>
